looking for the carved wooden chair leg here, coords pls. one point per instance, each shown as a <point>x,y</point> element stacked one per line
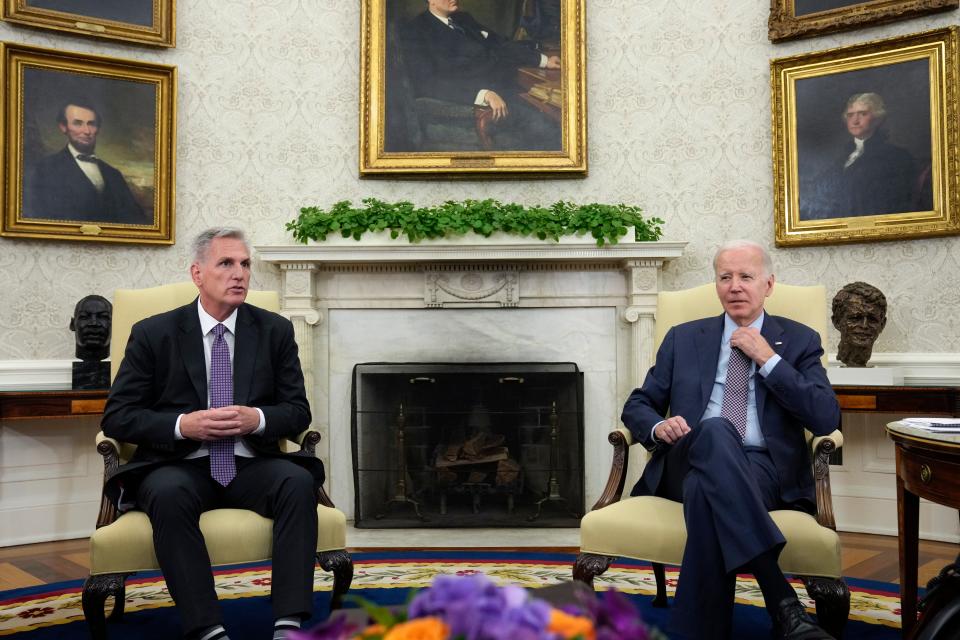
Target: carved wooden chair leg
<point>96,589</point>
<point>119,599</point>
<point>660,600</point>
<point>588,566</point>
<point>341,565</point>
<point>832,597</point>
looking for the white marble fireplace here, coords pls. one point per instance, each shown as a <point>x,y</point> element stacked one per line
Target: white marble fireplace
<point>450,302</point>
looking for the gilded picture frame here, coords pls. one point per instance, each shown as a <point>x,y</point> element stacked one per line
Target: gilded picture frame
<point>865,141</point>
<point>426,109</point>
<point>792,19</point>
<point>150,22</point>
<point>88,147</point>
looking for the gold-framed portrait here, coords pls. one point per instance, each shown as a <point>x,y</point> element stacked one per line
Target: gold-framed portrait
<point>472,87</point>
<point>791,19</point>
<point>865,141</point>
<point>88,147</point>
<point>151,22</point>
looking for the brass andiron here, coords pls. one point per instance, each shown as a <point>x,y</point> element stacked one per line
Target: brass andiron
<point>553,485</point>
<point>400,495</point>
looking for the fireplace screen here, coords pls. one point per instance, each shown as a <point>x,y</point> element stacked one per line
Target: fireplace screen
<point>468,445</point>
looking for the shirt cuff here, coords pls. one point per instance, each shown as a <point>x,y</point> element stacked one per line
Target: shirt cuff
<point>481,100</point>
<point>263,424</point>
<point>176,429</point>
<point>543,61</point>
<point>767,368</point>
<point>653,439</point>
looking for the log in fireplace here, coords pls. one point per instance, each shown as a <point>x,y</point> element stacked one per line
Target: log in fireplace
<point>467,444</point>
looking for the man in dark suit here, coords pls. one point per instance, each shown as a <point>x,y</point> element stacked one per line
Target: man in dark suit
<point>206,392</point>
<point>739,389</point>
<point>454,58</point>
<point>74,184</point>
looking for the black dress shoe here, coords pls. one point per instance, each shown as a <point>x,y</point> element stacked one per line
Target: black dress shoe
<point>794,623</point>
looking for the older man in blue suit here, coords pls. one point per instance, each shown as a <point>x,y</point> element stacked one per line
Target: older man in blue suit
<point>738,390</point>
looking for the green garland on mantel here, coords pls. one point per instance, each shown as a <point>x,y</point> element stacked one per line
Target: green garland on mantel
<point>606,223</point>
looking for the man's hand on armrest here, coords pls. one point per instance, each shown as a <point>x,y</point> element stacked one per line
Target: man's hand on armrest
<point>497,105</point>
<point>671,430</point>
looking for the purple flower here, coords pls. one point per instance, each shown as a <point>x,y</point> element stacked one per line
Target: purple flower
<point>477,609</point>
<point>335,628</point>
<point>614,616</point>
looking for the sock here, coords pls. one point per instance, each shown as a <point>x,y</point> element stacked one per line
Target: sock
<point>772,582</point>
<point>216,632</point>
<point>283,626</point>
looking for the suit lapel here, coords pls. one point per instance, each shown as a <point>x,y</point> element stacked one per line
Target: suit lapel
<point>244,354</point>
<point>772,331</point>
<point>708,352</point>
<point>191,349</point>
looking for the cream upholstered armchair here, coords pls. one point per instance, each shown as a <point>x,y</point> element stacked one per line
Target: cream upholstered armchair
<point>652,528</point>
<point>123,543</point>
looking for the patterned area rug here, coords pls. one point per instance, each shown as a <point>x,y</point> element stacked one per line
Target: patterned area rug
<point>54,611</point>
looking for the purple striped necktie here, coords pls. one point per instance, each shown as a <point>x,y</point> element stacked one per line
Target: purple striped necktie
<point>734,405</point>
<point>223,466</point>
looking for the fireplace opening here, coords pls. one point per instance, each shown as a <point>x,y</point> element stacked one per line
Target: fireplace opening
<point>467,444</point>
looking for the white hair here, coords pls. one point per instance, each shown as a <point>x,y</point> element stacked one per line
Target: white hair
<point>731,245</point>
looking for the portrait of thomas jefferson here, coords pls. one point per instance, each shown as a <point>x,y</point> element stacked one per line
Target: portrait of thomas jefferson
<point>88,149</point>
<point>865,152</point>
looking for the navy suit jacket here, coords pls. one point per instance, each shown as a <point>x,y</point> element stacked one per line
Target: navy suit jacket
<point>163,374</point>
<point>796,395</point>
<point>448,65</point>
<point>59,189</point>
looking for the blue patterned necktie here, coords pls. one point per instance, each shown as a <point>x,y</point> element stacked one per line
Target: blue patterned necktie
<point>734,405</point>
<point>223,466</point>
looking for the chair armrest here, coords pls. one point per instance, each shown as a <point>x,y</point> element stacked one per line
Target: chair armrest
<point>308,441</point>
<point>110,450</point>
<point>822,447</point>
<point>621,439</point>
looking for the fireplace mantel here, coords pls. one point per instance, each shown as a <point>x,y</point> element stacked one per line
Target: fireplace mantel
<point>401,252</point>
<point>328,289</point>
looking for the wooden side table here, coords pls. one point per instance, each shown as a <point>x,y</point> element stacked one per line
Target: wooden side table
<point>928,466</point>
<point>51,404</point>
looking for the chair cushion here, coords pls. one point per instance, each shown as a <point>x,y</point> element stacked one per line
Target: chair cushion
<point>232,536</point>
<point>652,529</point>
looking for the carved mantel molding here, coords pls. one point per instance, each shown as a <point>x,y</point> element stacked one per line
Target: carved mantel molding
<point>321,278</point>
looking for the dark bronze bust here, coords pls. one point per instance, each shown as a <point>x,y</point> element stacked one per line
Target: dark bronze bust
<point>860,314</point>
<point>91,323</point>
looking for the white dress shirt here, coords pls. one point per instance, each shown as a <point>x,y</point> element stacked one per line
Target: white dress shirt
<point>207,323</point>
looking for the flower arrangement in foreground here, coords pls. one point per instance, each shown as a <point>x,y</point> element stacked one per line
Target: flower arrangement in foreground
<point>472,607</point>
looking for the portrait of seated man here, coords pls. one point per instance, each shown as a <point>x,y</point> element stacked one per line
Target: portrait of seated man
<point>452,58</point>
<point>869,175</point>
<point>74,183</point>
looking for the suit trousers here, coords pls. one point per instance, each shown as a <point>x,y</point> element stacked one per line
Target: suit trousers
<point>727,491</point>
<point>174,496</point>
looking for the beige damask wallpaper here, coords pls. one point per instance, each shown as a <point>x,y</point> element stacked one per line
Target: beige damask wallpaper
<point>679,123</point>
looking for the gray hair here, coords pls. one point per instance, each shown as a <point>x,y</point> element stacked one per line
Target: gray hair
<point>873,100</point>
<point>201,244</point>
<point>731,245</point>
